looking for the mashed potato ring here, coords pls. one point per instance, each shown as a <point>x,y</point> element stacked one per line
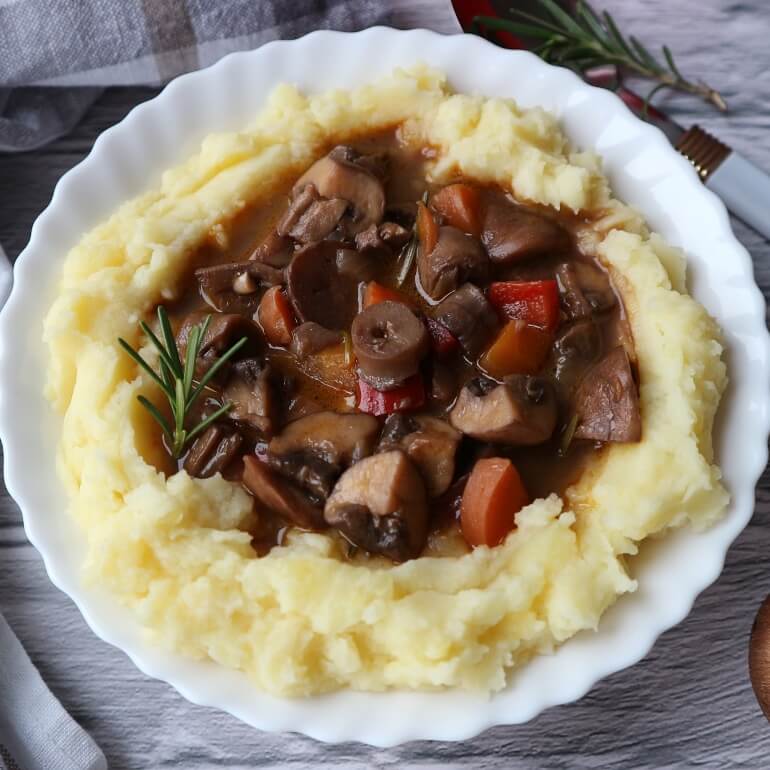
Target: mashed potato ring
<point>301,620</point>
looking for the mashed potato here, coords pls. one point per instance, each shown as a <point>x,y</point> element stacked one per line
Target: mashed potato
<point>301,620</point>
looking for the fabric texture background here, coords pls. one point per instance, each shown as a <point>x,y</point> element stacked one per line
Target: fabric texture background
<point>90,44</point>
<point>36,733</point>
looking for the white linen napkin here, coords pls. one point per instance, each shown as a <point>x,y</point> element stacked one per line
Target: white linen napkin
<point>36,733</point>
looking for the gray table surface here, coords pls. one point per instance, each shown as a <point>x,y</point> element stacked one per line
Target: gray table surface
<point>688,704</point>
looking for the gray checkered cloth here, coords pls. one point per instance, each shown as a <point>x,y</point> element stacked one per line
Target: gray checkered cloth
<point>56,56</point>
<point>89,44</point>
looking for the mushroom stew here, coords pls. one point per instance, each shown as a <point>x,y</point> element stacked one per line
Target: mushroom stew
<point>421,360</point>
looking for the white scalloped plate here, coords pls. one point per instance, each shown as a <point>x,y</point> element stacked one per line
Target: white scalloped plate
<point>644,171</point>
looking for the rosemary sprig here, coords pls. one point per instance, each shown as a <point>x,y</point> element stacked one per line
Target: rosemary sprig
<point>409,252</point>
<point>568,434</point>
<point>176,379</point>
<point>588,39</point>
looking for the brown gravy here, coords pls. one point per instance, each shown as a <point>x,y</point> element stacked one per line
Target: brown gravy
<point>545,469</point>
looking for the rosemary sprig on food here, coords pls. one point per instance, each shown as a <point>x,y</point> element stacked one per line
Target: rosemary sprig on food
<point>177,380</point>
<point>588,39</point>
<point>568,434</point>
<point>409,252</point>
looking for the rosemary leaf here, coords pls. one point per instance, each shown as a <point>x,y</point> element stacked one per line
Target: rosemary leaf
<point>648,98</point>
<point>176,379</point>
<point>203,424</point>
<point>178,407</point>
<point>407,260</point>
<point>170,340</point>
<point>568,435</point>
<point>167,374</point>
<point>159,418</point>
<point>644,55</point>
<point>588,39</point>
<point>587,14</point>
<point>147,368</point>
<point>523,30</point>
<point>670,61</point>
<point>218,364</point>
<point>560,16</point>
<point>162,352</point>
<point>409,252</point>
<point>616,37</point>
<point>193,347</point>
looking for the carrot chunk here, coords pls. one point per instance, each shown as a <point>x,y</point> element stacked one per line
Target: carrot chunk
<point>459,205</point>
<point>518,349</point>
<point>376,292</point>
<point>493,496</point>
<point>427,229</point>
<point>276,317</point>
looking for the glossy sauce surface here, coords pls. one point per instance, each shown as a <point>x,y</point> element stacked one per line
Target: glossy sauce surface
<point>545,468</point>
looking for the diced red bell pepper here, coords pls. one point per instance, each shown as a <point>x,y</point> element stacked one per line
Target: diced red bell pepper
<point>536,302</point>
<point>443,341</point>
<point>404,398</point>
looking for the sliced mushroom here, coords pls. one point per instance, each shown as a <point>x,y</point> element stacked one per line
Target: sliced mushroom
<point>278,495</point>
<point>300,405</point>
<point>356,266</point>
<point>429,442</point>
<point>301,198</point>
<point>339,439</point>
<point>250,391</point>
<point>310,338</point>
<point>308,471</point>
<point>377,163</point>
<point>224,330</point>
<point>369,239</point>
<point>443,384</point>
<point>607,402</point>
<point>388,235</point>
<point>575,348</point>
<point>389,342</point>
<point>337,176</point>
<point>572,300</point>
<point>596,286</point>
<point>455,259</point>
<point>511,233</point>
<point>314,450</point>
<point>393,234</point>
<point>275,250</point>
<point>233,287</point>
<point>521,411</point>
<point>379,504</point>
<point>395,428</point>
<point>585,289</point>
<point>468,315</point>
<point>213,451</point>
<point>317,290</point>
<point>318,220</point>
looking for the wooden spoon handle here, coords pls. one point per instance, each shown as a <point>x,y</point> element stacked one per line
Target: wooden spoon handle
<point>759,656</point>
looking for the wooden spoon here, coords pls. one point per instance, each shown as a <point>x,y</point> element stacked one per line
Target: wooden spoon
<point>759,656</point>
